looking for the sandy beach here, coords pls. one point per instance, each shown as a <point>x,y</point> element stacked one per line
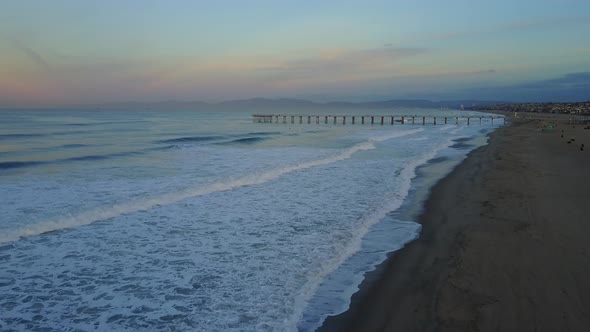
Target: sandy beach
<point>504,245</point>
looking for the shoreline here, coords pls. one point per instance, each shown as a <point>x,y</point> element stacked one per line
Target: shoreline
<point>488,237</point>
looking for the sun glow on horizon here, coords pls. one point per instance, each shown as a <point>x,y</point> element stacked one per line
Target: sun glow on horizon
<point>83,52</point>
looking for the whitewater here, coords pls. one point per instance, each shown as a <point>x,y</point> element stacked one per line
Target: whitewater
<point>195,220</point>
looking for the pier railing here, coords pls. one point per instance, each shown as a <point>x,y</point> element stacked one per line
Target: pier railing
<point>375,119</point>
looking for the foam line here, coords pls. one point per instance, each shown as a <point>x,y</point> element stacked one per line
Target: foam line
<point>88,217</point>
<point>456,130</point>
<point>391,204</point>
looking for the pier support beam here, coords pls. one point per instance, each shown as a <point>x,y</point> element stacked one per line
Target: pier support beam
<point>423,120</point>
<point>344,120</point>
<point>362,120</point>
<point>372,120</point>
<point>392,119</point>
<point>382,119</point>
<point>403,120</point>
<point>352,119</point>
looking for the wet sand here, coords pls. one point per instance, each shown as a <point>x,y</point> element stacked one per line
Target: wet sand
<point>505,244</point>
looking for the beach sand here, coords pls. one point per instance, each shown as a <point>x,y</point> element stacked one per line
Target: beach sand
<point>505,244</point>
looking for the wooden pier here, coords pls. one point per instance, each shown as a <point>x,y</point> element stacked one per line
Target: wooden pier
<point>376,119</point>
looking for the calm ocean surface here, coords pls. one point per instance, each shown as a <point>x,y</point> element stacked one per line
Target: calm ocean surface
<point>205,221</point>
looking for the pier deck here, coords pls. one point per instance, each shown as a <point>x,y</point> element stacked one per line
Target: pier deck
<point>375,119</point>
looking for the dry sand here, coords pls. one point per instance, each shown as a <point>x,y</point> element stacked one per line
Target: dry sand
<point>505,244</point>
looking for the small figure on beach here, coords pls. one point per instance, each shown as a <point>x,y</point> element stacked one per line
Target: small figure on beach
<point>582,147</point>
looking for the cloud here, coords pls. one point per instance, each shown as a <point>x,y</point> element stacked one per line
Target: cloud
<point>515,26</point>
<point>455,74</point>
<point>569,81</point>
<point>341,62</point>
<point>35,57</point>
<point>489,71</point>
<point>544,23</point>
<point>570,87</point>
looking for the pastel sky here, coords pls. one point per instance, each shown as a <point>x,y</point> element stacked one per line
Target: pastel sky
<point>75,51</point>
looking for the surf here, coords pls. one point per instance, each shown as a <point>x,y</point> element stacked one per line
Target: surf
<point>88,217</point>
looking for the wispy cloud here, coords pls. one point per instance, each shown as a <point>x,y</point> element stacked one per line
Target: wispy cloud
<point>341,62</point>
<point>569,81</point>
<point>515,26</point>
<point>31,54</point>
<point>449,74</point>
<point>570,87</point>
<point>544,23</point>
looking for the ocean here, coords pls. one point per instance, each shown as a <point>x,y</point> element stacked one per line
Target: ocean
<point>163,220</point>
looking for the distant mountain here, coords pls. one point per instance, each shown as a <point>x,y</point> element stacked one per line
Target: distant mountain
<point>287,104</point>
<point>424,103</point>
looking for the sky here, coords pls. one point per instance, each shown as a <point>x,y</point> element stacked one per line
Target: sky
<point>64,52</point>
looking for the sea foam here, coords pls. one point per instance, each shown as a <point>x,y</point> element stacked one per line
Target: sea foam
<point>88,217</point>
<point>272,235</point>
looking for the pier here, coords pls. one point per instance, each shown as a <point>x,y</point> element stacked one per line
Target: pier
<point>377,119</point>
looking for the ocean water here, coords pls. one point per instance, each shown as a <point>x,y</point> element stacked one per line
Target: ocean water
<point>193,220</point>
